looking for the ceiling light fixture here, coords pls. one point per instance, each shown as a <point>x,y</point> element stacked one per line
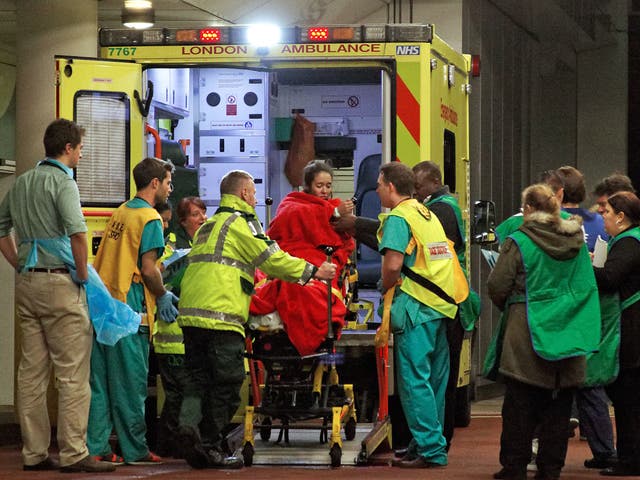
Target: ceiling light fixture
<point>138,14</point>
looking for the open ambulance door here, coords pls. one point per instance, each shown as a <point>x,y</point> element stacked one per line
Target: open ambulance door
<point>105,98</point>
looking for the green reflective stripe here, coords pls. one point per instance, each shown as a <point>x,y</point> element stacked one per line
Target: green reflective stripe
<point>630,301</point>
<point>212,315</point>
<point>168,338</point>
<point>264,256</point>
<point>219,259</point>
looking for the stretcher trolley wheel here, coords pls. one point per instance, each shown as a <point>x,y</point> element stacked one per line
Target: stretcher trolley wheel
<point>336,455</point>
<point>265,429</point>
<point>350,429</point>
<point>247,454</point>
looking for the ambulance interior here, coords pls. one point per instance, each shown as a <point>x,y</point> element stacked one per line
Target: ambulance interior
<point>239,118</point>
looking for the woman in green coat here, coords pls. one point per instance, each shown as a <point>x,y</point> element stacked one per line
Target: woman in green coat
<point>544,279</point>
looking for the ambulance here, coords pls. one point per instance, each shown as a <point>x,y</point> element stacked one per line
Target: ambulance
<point>230,95</point>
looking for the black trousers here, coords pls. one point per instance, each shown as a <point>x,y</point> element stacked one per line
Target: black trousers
<point>625,395</point>
<point>215,372</point>
<point>526,407</point>
<point>455,335</point>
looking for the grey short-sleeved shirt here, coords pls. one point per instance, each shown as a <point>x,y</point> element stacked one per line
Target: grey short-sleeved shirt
<point>43,203</point>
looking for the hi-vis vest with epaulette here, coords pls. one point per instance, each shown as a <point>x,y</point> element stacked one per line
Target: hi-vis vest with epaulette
<point>217,286</point>
<point>434,257</point>
<point>117,259</point>
<point>167,337</point>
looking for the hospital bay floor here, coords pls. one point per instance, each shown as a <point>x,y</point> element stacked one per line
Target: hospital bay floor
<point>473,455</point>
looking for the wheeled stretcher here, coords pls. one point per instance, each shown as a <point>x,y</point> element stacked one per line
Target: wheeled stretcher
<point>290,391</point>
<point>293,391</point>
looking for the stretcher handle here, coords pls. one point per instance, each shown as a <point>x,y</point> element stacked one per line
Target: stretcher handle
<point>328,250</point>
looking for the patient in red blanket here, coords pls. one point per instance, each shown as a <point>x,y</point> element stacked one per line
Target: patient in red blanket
<point>302,227</point>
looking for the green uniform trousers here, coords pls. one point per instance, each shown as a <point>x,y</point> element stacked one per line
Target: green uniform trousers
<point>215,366</point>
<point>422,356</point>
<point>118,393</point>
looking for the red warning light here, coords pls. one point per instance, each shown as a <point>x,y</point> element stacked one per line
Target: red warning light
<point>318,34</point>
<point>210,35</point>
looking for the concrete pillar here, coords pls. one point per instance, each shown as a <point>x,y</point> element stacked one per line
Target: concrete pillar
<point>44,29</point>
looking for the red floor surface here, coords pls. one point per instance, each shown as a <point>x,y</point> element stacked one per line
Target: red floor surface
<point>474,455</point>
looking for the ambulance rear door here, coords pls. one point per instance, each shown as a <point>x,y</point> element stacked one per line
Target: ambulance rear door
<point>105,98</point>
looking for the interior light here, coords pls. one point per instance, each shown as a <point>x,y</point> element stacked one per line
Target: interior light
<point>137,4</point>
<point>263,35</point>
<point>138,19</point>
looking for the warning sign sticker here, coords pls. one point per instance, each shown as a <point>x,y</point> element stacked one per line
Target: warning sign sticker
<point>339,101</point>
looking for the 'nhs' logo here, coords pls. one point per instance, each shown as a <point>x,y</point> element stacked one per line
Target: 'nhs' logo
<point>407,49</point>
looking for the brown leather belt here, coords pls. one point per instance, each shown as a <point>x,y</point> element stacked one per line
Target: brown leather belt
<point>48,270</point>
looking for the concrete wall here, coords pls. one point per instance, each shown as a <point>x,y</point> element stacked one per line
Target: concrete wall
<point>7,151</point>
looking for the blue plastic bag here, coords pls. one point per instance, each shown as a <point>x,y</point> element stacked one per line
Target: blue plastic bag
<point>111,318</point>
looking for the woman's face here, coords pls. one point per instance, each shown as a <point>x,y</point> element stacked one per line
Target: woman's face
<point>321,185</point>
<point>610,218</point>
<point>195,218</point>
<point>166,218</point>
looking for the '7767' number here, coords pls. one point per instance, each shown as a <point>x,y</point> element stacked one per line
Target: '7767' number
<point>122,51</point>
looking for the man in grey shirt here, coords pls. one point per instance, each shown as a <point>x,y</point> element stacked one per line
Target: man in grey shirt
<point>43,210</point>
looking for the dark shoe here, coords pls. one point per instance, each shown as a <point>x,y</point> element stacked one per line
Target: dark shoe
<point>192,449</point>
<point>46,464</point>
<point>218,460</point>
<point>506,474</point>
<point>90,465</point>
<point>401,452</point>
<point>620,471</point>
<point>418,462</point>
<point>601,463</point>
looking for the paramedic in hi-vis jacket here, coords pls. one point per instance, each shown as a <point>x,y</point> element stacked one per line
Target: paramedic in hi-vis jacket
<point>418,277</point>
<point>214,307</point>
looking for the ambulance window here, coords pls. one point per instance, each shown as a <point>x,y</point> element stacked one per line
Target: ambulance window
<point>103,173</point>
<point>449,160</point>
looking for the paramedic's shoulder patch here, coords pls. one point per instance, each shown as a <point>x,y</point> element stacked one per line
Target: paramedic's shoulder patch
<point>423,210</point>
<point>439,250</point>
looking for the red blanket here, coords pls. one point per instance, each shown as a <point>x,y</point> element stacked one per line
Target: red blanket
<point>300,227</point>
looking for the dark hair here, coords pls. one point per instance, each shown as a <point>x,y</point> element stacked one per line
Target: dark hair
<point>150,168</point>
<point>233,181</point>
<point>313,168</point>
<point>574,189</point>
<point>162,207</point>
<point>616,182</point>
<point>551,178</point>
<point>628,203</point>
<point>58,134</point>
<point>541,198</point>
<point>431,169</point>
<point>400,175</point>
<point>182,210</point>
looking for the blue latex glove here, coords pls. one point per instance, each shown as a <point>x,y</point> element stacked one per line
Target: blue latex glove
<point>74,276</point>
<point>166,309</point>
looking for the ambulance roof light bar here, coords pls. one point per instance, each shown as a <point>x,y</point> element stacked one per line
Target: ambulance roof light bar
<point>244,34</point>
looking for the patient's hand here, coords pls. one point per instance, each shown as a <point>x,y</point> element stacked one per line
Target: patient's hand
<point>345,207</point>
<point>326,271</point>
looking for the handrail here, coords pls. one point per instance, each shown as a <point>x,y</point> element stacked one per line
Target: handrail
<point>158,148</point>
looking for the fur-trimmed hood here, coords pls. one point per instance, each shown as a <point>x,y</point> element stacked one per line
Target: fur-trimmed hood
<point>560,238</point>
